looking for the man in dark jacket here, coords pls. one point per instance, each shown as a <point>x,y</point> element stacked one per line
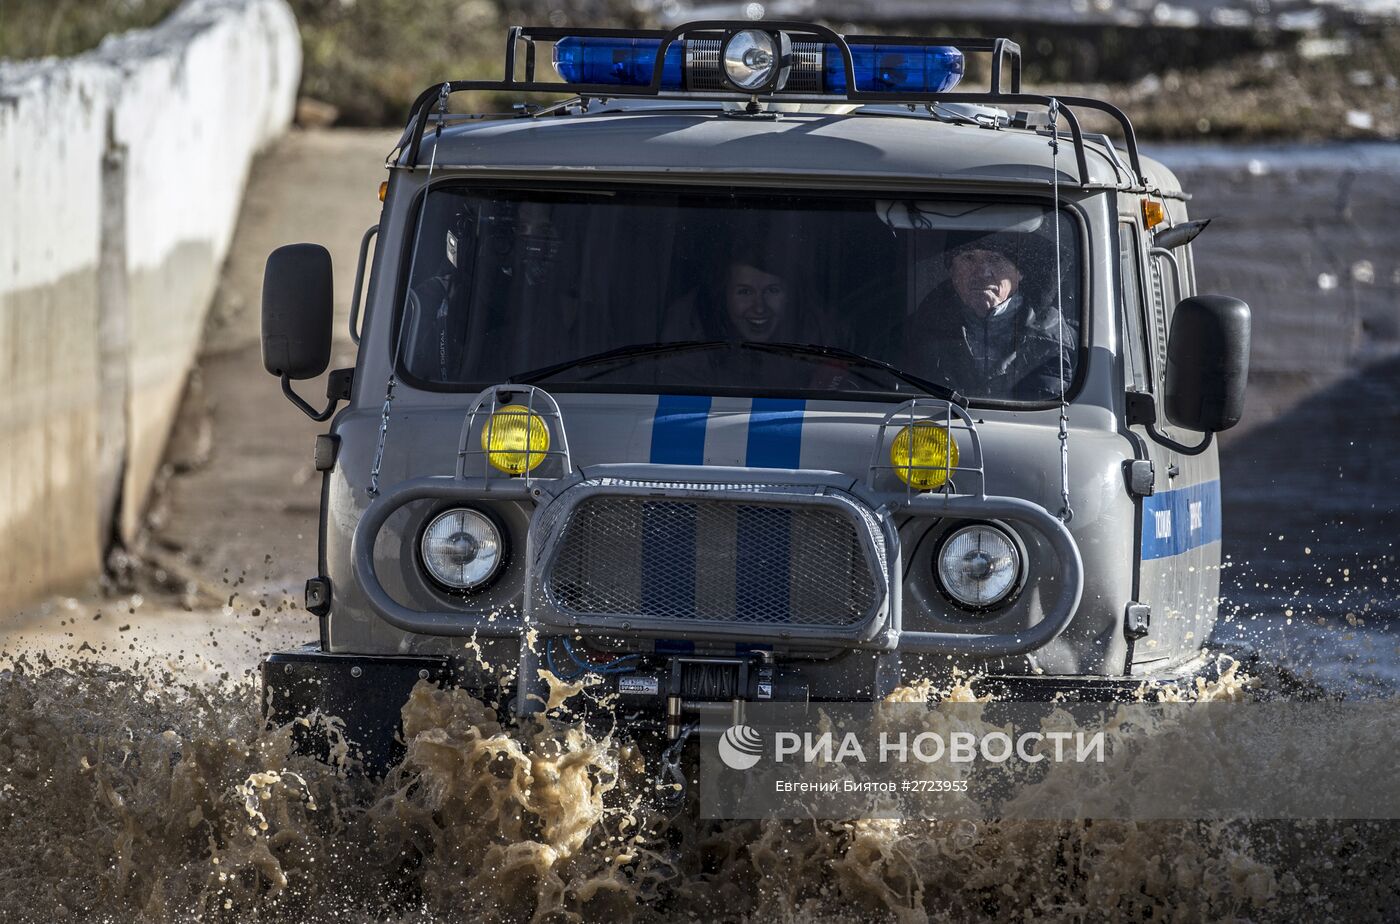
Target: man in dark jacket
<point>992,329</point>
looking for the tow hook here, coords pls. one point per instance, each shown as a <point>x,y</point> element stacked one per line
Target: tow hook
<point>670,782</point>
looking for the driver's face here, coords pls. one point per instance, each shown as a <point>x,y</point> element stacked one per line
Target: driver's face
<point>984,279</point>
<point>756,301</point>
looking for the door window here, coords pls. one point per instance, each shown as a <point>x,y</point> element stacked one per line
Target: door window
<point>1137,375</point>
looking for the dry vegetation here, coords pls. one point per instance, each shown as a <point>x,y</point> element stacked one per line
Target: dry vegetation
<point>369,58</point>
<point>39,28</point>
<point>1322,87</point>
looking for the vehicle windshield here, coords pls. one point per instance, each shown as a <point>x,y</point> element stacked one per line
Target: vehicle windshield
<point>673,290</point>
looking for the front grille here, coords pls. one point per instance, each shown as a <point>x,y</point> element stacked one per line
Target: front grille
<point>728,561</point>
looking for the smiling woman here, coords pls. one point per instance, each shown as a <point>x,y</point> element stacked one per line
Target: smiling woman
<point>755,301</point>
<point>760,292</point>
<point>689,291</point>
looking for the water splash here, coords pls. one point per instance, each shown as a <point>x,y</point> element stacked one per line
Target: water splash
<point>129,795</point>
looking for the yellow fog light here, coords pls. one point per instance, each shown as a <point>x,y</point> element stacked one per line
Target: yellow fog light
<point>923,455</point>
<point>515,439</point>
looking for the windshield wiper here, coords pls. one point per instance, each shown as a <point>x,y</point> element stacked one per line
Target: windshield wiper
<point>626,352</point>
<point>927,386</point>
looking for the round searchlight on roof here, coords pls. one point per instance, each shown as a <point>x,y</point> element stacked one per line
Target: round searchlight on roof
<point>749,59</point>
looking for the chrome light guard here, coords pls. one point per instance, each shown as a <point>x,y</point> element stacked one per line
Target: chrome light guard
<point>498,396</point>
<point>952,418</point>
<point>947,503</point>
<point>460,486</point>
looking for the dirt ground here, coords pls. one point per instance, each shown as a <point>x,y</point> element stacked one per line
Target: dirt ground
<point>251,502</point>
<point>1306,235</point>
<point>217,580</point>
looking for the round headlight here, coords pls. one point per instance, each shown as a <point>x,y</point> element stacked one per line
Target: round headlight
<point>515,439</point>
<point>750,58</point>
<point>462,549</point>
<point>923,455</point>
<point>978,565</point>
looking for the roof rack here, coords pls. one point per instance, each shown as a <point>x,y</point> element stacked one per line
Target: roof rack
<point>1003,52</point>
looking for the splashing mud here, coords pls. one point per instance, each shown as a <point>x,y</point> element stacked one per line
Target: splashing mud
<point>128,795</point>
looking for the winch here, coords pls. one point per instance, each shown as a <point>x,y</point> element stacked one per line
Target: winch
<point>713,688</point>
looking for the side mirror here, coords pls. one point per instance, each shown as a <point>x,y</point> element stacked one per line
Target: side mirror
<point>1207,363</point>
<point>1179,235</point>
<point>297,311</point>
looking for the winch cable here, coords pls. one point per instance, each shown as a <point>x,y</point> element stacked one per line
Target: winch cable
<point>403,319</point>
<point>623,665</point>
<point>549,663</point>
<point>1066,511</point>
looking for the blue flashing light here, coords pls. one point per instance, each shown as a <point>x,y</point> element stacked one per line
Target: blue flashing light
<point>619,62</point>
<point>894,68</point>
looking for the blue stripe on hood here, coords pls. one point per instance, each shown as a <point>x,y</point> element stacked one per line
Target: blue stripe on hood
<point>775,433</point>
<point>678,430</point>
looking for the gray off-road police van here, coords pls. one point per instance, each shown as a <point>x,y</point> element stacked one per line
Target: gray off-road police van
<point>759,364</point>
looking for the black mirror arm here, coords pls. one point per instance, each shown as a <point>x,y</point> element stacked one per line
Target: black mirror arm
<point>305,408</point>
<point>1178,447</point>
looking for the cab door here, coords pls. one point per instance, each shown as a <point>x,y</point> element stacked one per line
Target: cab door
<point>1142,359</point>
<point>1178,549</point>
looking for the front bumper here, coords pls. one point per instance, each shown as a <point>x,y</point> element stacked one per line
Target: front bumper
<point>367,695</point>
<point>365,692</point>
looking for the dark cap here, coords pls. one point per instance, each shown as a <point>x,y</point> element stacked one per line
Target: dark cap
<point>996,241</point>
<point>1014,246</point>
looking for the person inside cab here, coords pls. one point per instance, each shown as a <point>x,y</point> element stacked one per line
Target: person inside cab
<point>992,328</point>
<point>761,295</point>
<point>756,300</point>
<point>754,288</point>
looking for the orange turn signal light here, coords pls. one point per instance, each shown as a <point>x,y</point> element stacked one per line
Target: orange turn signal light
<point>1153,213</point>
<point>383,189</point>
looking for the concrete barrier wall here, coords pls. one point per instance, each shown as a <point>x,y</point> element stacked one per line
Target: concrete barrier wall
<point>121,173</point>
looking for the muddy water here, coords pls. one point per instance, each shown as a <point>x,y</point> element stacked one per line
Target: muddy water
<point>137,783</point>
<point>1308,235</point>
<point>138,793</point>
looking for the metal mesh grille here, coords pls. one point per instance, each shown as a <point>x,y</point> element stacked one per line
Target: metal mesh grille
<point>806,73</point>
<point>702,65</point>
<point>722,561</point>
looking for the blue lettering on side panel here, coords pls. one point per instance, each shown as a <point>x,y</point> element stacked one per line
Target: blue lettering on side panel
<point>678,429</point>
<point>775,433</point>
<point>1181,520</point>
